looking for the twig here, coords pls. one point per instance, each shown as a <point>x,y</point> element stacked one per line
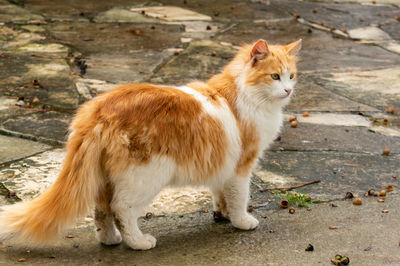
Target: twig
<point>291,187</point>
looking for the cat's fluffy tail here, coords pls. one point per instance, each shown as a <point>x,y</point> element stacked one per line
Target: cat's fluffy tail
<point>71,196</point>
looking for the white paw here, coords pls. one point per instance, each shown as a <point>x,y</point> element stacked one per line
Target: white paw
<point>244,222</point>
<point>143,242</point>
<point>110,237</point>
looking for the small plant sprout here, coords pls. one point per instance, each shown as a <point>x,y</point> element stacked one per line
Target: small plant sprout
<point>294,198</point>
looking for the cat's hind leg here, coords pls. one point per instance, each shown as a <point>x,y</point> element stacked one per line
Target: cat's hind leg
<point>134,190</point>
<point>106,231</point>
<point>220,206</point>
<point>236,193</point>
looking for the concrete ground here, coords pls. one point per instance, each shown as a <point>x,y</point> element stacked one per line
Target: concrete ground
<point>56,55</point>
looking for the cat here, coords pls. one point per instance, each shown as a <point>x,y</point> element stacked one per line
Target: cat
<point>126,144</point>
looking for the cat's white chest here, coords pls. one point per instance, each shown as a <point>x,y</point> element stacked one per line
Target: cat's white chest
<point>268,125</point>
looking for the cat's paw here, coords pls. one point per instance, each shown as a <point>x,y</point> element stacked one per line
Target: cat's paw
<point>110,237</point>
<point>245,222</point>
<point>143,242</point>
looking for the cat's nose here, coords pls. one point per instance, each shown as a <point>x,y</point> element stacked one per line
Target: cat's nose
<point>288,91</point>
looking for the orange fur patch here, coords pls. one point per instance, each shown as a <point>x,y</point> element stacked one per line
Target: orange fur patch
<point>139,121</point>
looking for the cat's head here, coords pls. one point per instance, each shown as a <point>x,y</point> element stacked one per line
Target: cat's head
<point>268,73</point>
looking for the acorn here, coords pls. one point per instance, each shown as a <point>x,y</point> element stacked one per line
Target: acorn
<point>386,151</point>
<point>390,110</point>
<point>382,193</point>
<point>385,121</point>
<point>149,215</point>
<point>389,188</point>
<point>381,200</point>
<point>345,260</point>
<point>335,261</point>
<point>293,124</point>
<point>310,247</point>
<point>250,208</point>
<point>371,192</point>
<point>357,201</point>
<point>36,100</point>
<point>292,210</point>
<point>284,204</point>
<point>385,211</point>
<point>292,118</point>
<point>349,195</point>
<point>306,114</point>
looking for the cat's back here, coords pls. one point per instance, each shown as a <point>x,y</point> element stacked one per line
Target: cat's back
<point>191,124</point>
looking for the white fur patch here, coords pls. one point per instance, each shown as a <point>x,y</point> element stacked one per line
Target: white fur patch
<point>225,116</point>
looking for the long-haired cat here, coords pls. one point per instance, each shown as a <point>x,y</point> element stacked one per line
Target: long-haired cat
<point>125,145</point>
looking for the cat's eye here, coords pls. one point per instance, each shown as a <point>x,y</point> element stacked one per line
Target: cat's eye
<point>291,76</point>
<point>275,76</point>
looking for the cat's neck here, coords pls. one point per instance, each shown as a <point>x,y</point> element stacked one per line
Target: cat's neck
<point>243,107</point>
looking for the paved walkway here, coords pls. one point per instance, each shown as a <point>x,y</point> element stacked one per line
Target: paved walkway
<point>57,55</point>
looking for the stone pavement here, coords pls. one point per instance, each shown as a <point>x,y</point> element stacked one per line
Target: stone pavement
<point>56,55</point>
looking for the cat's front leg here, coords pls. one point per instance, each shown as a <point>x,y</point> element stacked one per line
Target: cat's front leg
<point>236,193</point>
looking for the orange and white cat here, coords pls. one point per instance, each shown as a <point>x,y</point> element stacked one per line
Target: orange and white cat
<point>127,144</point>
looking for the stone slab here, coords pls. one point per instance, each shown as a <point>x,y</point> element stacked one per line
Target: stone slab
<point>122,14</point>
<point>54,85</point>
<point>318,137</point>
<point>52,126</point>
<point>310,96</point>
<point>12,149</point>
<point>378,88</point>
<point>15,13</point>
<point>368,33</point>
<point>280,239</point>
<point>171,13</point>
<point>11,37</point>
<point>342,15</point>
<point>127,68</point>
<point>339,172</point>
<point>320,52</point>
<point>116,38</point>
<point>195,62</point>
<point>333,119</point>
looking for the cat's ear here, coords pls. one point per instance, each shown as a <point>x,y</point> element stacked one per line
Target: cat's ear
<point>260,50</point>
<point>294,47</point>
